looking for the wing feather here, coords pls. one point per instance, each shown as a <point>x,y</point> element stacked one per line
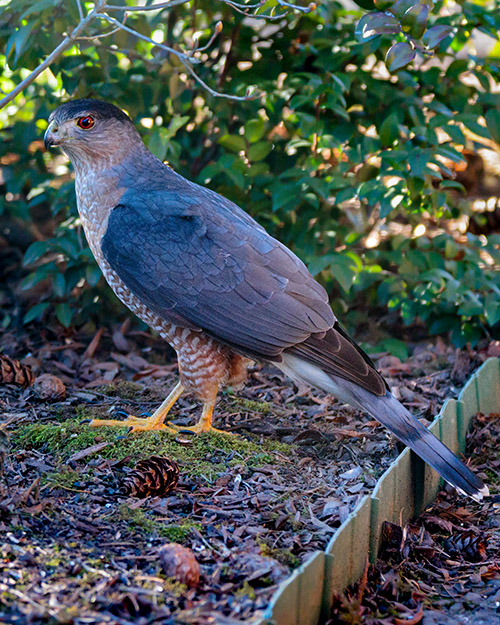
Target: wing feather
<point>196,259</point>
<point>183,256</point>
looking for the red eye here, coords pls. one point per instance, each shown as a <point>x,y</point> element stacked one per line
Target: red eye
<point>85,122</point>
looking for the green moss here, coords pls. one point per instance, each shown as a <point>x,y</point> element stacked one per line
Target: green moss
<point>493,479</point>
<point>64,478</point>
<point>263,407</point>
<point>136,518</point>
<point>123,389</point>
<point>177,533</point>
<point>245,591</point>
<point>173,587</point>
<point>285,556</point>
<point>206,454</point>
<point>139,519</point>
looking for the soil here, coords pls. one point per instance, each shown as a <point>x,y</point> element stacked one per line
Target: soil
<point>250,507</point>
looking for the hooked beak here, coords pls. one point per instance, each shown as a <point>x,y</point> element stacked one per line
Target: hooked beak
<point>50,137</point>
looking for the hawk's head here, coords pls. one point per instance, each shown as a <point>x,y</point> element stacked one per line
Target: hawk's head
<point>89,129</point>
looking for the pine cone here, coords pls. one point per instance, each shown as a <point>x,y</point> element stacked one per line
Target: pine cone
<point>467,544</point>
<point>49,387</point>
<point>153,477</point>
<point>13,372</point>
<point>179,563</point>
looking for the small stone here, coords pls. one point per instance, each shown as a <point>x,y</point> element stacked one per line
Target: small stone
<point>49,387</point>
<point>180,564</point>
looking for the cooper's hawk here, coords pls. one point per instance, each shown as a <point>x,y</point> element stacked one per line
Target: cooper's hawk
<point>208,278</point>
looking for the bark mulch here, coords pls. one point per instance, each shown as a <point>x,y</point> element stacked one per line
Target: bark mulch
<point>249,508</point>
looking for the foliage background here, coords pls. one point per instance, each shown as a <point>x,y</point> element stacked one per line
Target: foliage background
<point>348,164</point>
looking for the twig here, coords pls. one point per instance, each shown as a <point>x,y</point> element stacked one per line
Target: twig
<point>102,35</point>
<point>55,54</point>
<point>186,58</point>
<point>80,10</point>
<point>218,94</point>
<point>153,7</point>
<point>296,7</point>
<point>217,31</point>
<point>180,55</point>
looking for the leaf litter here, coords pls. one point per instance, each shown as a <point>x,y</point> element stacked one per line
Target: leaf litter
<point>76,549</point>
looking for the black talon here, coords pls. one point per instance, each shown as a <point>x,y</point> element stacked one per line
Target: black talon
<point>85,421</point>
<point>145,414</point>
<point>120,412</point>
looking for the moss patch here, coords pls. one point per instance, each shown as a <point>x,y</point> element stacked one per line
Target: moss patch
<point>206,454</point>
<point>123,389</point>
<point>264,407</point>
<point>141,520</point>
<point>285,556</point>
<point>64,478</point>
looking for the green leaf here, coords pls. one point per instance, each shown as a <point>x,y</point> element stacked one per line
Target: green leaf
<point>258,169</point>
<point>59,284</point>
<point>444,324</point>
<point>39,6</point>
<point>448,151</point>
<point>389,130</point>
<point>492,309</point>
<point>368,5</point>
<point>414,20</point>
<point>92,274</point>
<point>470,121</point>
<point>319,264</point>
<point>35,251</point>
<point>235,143</point>
<point>158,144</point>
<point>400,7</point>
<point>18,41</point>
<point>68,247</point>
<point>435,34</point>
<point>35,312</point>
<point>63,314</point>
<point>396,348</point>
<point>254,130</point>
<point>456,68</point>
<point>399,55</point>
<point>493,124</point>
<point>259,151</point>
<point>374,24</point>
<point>418,160</point>
<point>177,122</point>
<point>285,194</point>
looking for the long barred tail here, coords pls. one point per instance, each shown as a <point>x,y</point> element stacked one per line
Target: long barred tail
<point>391,413</point>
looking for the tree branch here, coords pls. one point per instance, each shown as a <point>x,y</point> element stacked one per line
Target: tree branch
<point>55,54</point>
<point>119,25</point>
<point>187,59</point>
<point>239,98</point>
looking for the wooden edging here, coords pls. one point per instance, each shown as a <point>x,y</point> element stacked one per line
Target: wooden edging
<point>404,490</point>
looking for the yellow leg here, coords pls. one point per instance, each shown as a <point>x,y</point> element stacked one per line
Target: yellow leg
<point>154,422</point>
<point>204,424</point>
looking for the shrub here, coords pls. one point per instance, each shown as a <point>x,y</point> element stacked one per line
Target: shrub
<point>340,159</point>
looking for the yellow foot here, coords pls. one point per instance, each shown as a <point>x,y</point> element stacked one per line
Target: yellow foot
<point>134,424</point>
<point>199,428</point>
<point>140,424</point>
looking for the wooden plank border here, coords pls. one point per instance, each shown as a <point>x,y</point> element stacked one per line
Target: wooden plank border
<point>403,491</point>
